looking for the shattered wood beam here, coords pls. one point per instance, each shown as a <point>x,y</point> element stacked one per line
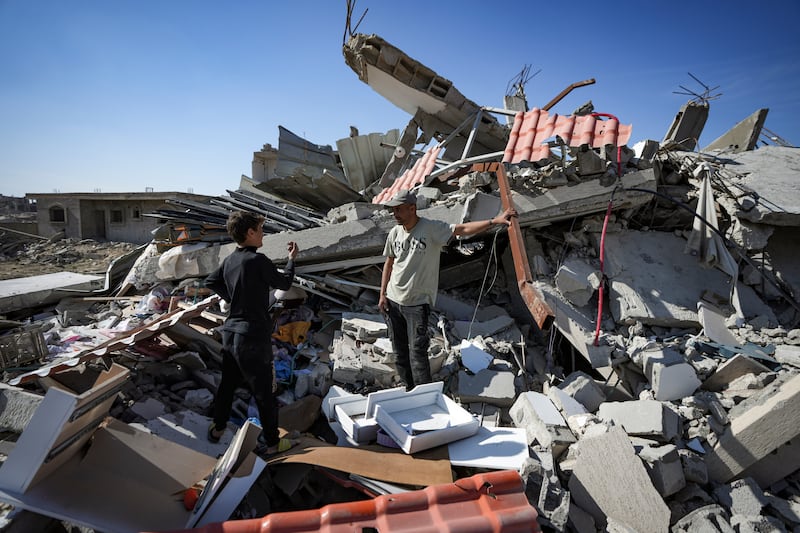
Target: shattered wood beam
<point>539,309</point>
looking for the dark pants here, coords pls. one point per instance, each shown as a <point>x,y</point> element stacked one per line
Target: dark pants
<point>408,331</point>
<point>247,360</point>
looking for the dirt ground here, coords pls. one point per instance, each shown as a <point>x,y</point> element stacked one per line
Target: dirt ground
<point>24,259</point>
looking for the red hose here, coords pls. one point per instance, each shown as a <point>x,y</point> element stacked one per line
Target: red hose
<point>603,239</point>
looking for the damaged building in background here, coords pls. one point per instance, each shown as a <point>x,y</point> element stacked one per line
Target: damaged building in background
<point>623,357</point>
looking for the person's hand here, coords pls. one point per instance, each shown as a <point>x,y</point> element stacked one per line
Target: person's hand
<point>505,217</point>
<point>383,304</point>
<point>292,248</point>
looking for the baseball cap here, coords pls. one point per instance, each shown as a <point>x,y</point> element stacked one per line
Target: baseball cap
<point>403,196</point>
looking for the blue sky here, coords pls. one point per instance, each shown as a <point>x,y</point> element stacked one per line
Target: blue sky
<point>176,95</point>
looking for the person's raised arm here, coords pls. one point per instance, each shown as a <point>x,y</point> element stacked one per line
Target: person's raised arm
<point>473,228</point>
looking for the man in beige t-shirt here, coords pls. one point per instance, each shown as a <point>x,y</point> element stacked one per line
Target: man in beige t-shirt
<point>410,279</point>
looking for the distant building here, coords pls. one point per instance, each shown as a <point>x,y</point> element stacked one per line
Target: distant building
<point>115,217</point>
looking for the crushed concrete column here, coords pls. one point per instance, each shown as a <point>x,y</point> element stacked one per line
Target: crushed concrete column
<point>609,481</point>
<point>757,432</point>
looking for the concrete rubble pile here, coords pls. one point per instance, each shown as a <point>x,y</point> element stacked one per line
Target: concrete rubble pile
<point>664,396</point>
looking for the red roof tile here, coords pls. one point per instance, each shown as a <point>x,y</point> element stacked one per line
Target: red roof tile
<point>531,129</point>
<point>493,501</point>
<point>412,177</point>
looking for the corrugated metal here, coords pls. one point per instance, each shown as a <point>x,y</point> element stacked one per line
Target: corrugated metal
<point>364,158</point>
<point>493,501</point>
<point>412,177</point>
<point>308,174</point>
<point>531,129</point>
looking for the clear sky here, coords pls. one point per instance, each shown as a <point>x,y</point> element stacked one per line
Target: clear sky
<point>176,95</point>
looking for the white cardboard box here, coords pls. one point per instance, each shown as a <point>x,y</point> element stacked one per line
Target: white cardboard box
<point>424,418</point>
<point>73,462</point>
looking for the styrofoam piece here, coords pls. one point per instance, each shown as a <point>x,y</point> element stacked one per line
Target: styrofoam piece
<point>424,418</point>
<point>356,413</point>
<point>496,448</point>
<point>330,399</point>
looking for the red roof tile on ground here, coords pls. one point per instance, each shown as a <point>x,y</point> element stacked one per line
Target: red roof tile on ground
<point>531,129</point>
<point>491,502</point>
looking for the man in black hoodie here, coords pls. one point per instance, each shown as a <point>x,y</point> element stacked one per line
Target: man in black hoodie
<point>244,281</point>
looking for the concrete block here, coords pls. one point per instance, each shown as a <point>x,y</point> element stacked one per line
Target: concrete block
<point>577,281</point>
<point>542,422</point>
<point>670,376</point>
<point>364,327</point>
<point>488,386</point>
<point>787,354</point>
<point>732,369</point>
<point>664,467</point>
<point>609,481</point>
<point>584,389</point>
<point>643,418</point>
<point>756,432</point>
<point>741,497</point>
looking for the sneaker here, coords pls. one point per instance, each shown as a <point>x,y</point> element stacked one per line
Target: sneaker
<point>214,434</point>
<point>283,445</point>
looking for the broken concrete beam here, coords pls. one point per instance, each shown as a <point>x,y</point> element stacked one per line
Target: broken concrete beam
<point>584,390</point>
<point>584,198</point>
<point>774,466</point>
<point>753,434</point>
<point>487,386</point>
<point>542,422</point>
<point>687,125</point>
<point>735,367</point>
<point>670,376</point>
<point>743,136</point>
<point>642,418</point>
<point>577,281</point>
<point>787,354</point>
<point>609,481</point>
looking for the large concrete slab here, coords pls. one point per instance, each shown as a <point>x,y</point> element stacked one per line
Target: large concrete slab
<point>653,281</point>
<point>771,172</point>
<point>33,291</point>
<point>610,482</point>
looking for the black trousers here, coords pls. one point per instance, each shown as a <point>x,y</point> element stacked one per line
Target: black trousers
<point>248,360</point>
<point>408,330</point>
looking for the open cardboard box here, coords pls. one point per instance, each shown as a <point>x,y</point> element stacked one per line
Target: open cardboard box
<point>75,463</point>
<point>424,418</point>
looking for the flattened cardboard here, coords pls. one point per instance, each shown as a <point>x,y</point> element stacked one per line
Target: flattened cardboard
<point>75,463</point>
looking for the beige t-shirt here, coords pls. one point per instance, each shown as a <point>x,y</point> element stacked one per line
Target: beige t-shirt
<point>415,274</point>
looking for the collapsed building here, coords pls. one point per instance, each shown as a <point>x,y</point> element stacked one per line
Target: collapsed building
<point>624,357</point>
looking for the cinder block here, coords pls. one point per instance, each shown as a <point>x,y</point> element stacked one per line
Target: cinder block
<point>642,418</point>
<point>664,467</point>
